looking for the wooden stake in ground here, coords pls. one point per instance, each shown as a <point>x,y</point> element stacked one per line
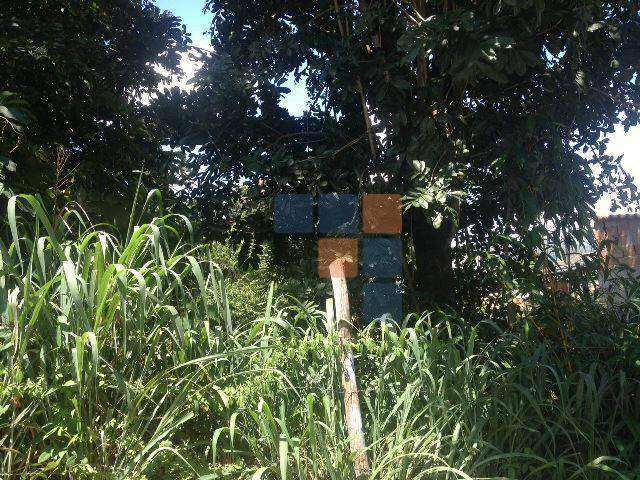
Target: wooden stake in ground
<point>352,414</point>
<point>331,315</point>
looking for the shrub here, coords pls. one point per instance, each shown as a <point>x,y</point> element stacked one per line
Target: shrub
<point>149,356</point>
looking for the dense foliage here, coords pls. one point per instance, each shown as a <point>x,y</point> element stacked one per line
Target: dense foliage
<point>148,356</point>
<point>489,116</point>
<point>84,71</point>
<point>138,348</point>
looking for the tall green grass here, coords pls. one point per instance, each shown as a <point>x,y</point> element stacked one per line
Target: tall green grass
<point>131,356</point>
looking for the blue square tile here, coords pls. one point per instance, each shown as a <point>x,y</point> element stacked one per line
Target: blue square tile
<point>382,301</point>
<point>293,214</point>
<point>382,257</point>
<point>338,213</point>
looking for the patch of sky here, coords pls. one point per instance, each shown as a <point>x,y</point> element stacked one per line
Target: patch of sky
<point>297,100</point>
<point>191,13</point>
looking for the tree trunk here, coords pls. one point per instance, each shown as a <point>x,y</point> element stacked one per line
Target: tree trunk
<point>433,278</point>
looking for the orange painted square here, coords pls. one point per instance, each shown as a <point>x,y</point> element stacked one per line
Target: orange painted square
<point>331,249</point>
<point>382,213</point>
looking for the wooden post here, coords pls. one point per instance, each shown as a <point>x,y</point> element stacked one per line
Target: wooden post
<point>352,414</point>
<point>330,315</point>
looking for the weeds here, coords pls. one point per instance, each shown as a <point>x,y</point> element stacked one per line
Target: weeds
<point>137,358</point>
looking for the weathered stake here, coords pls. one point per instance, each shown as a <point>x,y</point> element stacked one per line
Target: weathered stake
<point>352,414</point>
<point>331,315</point>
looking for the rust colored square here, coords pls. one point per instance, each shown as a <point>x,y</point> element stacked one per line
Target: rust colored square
<point>332,249</point>
<point>382,213</point>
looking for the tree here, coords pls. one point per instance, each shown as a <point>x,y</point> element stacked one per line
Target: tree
<point>489,116</point>
<point>85,71</point>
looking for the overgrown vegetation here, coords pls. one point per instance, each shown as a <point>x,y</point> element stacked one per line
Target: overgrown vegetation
<point>141,348</point>
<point>145,355</point>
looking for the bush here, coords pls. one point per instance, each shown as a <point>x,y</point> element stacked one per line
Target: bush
<point>150,356</point>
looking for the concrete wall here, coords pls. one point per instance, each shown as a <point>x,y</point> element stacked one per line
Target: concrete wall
<point>624,233</point>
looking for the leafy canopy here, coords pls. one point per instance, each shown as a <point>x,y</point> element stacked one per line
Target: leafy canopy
<point>489,115</point>
<point>85,71</point>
